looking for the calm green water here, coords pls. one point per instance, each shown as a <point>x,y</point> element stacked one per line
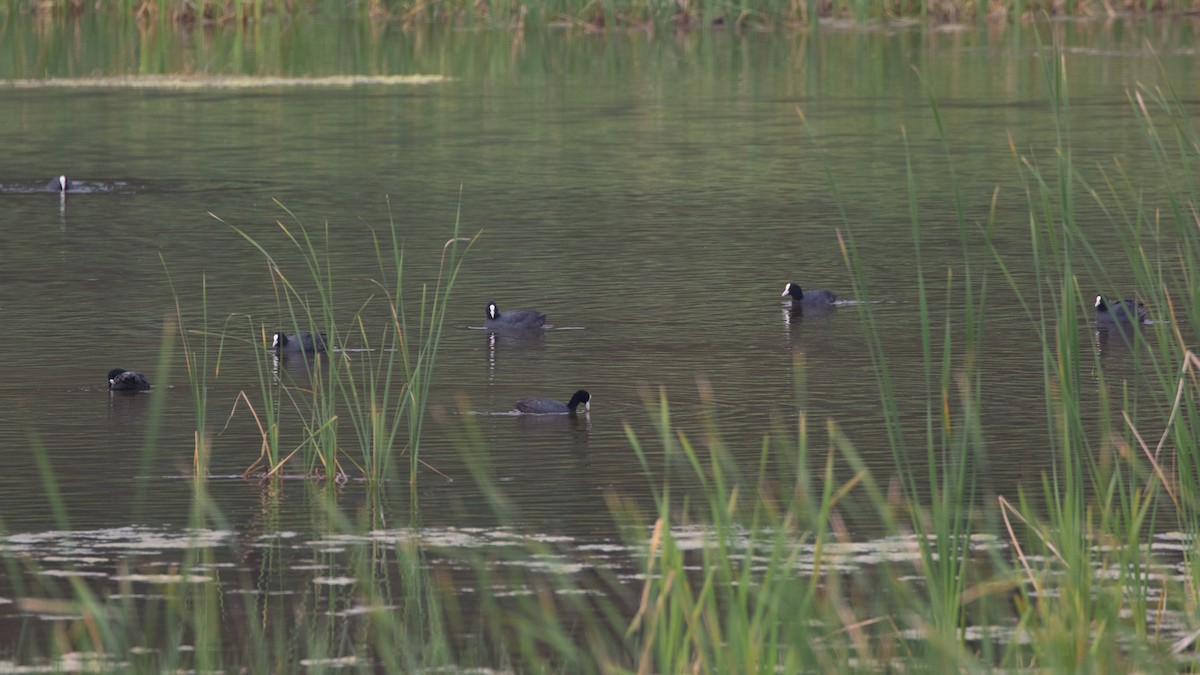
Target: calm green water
<point>652,192</point>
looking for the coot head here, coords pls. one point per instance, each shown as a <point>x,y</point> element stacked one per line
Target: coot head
<point>578,397</point>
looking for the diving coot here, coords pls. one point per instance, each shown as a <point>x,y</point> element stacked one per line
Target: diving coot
<point>60,184</point>
<point>120,379</point>
<point>811,297</point>
<point>513,318</point>
<point>1122,311</point>
<point>549,406</point>
<point>307,343</point>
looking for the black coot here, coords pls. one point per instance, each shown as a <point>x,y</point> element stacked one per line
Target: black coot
<point>513,318</point>
<point>307,343</point>
<point>549,406</point>
<point>1122,311</point>
<point>800,295</point>
<point>120,379</point>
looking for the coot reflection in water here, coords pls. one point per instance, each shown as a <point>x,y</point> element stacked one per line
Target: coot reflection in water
<point>1116,340</point>
<point>579,426</point>
<point>296,372</point>
<point>799,311</point>
<point>521,339</point>
<point>515,349</point>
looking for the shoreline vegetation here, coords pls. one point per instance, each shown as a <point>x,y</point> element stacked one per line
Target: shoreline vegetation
<point>613,15</point>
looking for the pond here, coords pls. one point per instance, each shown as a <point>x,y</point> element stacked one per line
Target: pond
<point>651,193</point>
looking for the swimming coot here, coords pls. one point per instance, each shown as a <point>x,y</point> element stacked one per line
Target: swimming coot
<point>1122,311</point>
<point>809,297</point>
<point>307,343</point>
<point>549,406</point>
<point>120,379</point>
<point>513,318</point>
<point>60,184</point>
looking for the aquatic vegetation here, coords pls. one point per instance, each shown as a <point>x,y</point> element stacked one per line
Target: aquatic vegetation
<point>810,559</point>
<point>383,390</point>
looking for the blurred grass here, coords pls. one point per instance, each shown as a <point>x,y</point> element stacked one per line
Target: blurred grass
<point>592,15</point>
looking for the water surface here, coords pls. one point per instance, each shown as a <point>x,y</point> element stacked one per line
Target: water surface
<point>652,194</point>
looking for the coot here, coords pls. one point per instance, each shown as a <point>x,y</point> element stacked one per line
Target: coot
<point>513,318</point>
<point>308,343</point>
<point>1122,311</point>
<point>549,406</point>
<point>120,379</point>
<point>808,297</point>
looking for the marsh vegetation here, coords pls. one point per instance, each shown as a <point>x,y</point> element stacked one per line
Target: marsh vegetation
<point>731,566</point>
<point>956,469</point>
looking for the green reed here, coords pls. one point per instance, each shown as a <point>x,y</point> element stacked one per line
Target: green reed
<point>767,592</point>
<point>731,615</point>
<point>405,353</point>
<point>1066,567</point>
<point>382,388</point>
<point>200,364</point>
<point>1110,485</point>
<point>1170,273</point>
<point>300,310</point>
<point>949,434</point>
